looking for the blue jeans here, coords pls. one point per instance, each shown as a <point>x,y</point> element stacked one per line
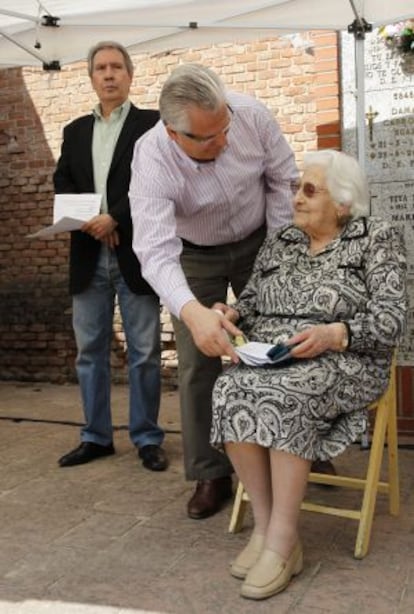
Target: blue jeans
<point>93,312</point>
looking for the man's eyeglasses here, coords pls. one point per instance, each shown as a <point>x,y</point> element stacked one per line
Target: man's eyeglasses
<point>308,188</point>
<point>203,140</point>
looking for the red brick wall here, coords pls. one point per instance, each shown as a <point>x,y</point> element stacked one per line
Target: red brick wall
<point>36,340</point>
<point>327,90</point>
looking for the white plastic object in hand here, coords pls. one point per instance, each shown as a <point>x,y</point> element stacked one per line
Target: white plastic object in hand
<point>220,313</point>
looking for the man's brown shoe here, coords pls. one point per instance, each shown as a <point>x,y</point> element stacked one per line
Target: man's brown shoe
<point>208,497</point>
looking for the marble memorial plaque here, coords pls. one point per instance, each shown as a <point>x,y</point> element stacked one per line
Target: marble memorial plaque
<point>389,133</point>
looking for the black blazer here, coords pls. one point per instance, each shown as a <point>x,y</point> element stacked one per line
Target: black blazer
<point>74,174</point>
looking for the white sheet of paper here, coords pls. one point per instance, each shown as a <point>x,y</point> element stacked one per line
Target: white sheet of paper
<point>65,224</point>
<point>70,212</point>
<point>254,353</point>
<point>76,206</point>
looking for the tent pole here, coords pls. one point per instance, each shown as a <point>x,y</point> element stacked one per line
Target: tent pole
<point>360,100</point>
<point>358,28</point>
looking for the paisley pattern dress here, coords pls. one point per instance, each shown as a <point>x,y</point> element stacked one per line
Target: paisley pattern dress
<point>314,408</point>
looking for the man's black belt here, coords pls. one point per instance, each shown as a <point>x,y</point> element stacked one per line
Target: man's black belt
<point>195,246</point>
<point>204,247</point>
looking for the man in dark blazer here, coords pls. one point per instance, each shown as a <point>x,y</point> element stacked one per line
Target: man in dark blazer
<point>96,157</point>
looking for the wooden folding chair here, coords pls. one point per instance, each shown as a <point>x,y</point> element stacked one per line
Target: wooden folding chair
<point>385,431</point>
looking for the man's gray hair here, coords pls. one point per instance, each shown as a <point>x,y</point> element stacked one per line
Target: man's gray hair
<point>110,45</point>
<point>190,85</point>
<point>344,178</point>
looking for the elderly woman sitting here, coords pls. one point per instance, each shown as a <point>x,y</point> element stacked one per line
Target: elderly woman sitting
<point>333,285</point>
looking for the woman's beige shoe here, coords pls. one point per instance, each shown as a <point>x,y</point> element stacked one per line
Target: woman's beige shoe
<point>271,574</point>
<point>247,557</point>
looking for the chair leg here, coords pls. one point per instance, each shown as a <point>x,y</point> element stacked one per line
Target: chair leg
<point>385,424</point>
<point>239,509</point>
<point>372,479</point>
<point>392,441</point>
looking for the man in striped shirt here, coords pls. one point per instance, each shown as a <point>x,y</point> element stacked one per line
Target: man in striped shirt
<point>207,182</point>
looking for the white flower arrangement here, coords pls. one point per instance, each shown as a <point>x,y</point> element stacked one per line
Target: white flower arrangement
<point>399,36</point>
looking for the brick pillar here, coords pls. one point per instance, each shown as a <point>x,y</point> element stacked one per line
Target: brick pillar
<point>328,126</point>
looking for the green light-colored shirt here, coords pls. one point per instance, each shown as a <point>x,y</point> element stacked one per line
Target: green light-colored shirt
<point>105,137</point>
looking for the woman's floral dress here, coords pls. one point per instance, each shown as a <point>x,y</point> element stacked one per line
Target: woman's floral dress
<point>315,408</point>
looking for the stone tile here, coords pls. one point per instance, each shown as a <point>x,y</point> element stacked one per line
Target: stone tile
<point>111,537</point>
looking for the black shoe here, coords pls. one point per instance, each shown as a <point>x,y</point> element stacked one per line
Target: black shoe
<point>320,466</point>
<point>85,453</point>
<point>153,458</point>
<point>325,467</point>
<point>209,497</point>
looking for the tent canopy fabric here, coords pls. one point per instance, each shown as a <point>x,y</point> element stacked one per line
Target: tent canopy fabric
<point>57,32</point>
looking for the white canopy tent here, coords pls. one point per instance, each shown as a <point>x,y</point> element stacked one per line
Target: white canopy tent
<point>56,32</point>
<point>61,31</point>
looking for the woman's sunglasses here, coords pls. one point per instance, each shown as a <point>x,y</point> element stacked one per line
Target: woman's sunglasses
<point>308,188</point>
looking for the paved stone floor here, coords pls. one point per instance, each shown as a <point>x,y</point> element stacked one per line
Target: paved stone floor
<point>113,538</point>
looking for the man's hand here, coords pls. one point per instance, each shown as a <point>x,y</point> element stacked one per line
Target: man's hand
<point>228,312</point>
<point>100,226</point>
<point>111,240</point>
<point>208,329</point>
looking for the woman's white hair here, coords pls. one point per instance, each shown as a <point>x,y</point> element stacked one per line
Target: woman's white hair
<point>344,179</point>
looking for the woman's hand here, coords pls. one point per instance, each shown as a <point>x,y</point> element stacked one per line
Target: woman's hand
<point>316,340</point>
